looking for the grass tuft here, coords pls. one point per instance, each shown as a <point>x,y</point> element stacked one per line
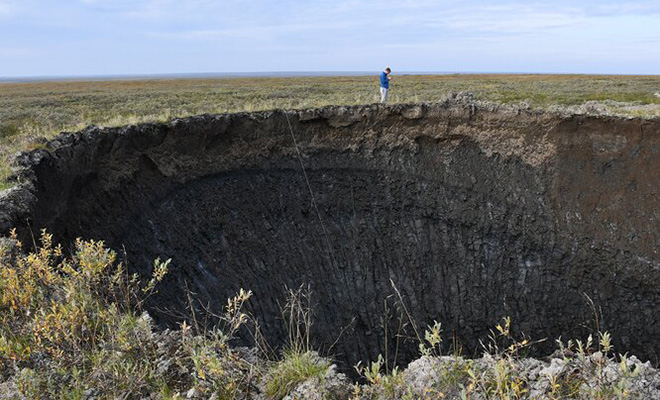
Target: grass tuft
<point>294,368</point>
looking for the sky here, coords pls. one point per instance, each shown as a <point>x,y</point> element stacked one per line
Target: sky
<point>109,37</point>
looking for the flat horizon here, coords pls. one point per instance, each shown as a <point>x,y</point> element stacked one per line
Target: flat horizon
<point>275,74</point>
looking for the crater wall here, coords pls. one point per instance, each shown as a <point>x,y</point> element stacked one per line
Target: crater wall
<point>473,211</point>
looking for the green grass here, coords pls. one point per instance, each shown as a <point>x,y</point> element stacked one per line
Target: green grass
<point>32,111</point>
<point>294,368</point>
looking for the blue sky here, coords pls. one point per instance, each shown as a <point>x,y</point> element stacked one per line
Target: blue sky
<point>99,37</point>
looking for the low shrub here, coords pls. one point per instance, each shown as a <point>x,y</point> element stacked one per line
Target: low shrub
<point>73,327</point>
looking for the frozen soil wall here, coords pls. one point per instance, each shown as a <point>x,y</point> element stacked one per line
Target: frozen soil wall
<point>474,211</point>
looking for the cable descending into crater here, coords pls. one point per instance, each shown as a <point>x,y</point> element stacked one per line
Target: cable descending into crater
<point>311,192</point>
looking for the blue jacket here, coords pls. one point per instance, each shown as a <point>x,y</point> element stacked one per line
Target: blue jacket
<point>384,82</point>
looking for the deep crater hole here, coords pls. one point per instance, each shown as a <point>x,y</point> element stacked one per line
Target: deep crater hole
<point>395,222</point>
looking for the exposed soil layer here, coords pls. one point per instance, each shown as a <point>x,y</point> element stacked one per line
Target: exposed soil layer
<point>473,211</point>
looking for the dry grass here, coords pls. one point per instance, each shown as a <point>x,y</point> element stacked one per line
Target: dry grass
<point>32,111</point>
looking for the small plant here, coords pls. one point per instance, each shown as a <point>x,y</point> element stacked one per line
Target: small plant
<point>591,361</point>
<point>433,340</point>
<point>380,385</point>
<point>216,367</point>
<point>297,314</point>
<point>298,362</point>
<point>503,378</point>
<point>294,368</point>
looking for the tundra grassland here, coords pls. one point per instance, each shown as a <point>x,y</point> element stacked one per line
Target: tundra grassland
<point>32,112</point>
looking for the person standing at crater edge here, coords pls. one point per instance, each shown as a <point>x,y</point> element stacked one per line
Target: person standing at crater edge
<point>385,79</point>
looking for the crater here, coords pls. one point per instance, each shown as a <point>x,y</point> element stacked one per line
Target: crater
<point>464,213</point>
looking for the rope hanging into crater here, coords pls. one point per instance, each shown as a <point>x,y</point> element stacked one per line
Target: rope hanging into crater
<point>311,192</point>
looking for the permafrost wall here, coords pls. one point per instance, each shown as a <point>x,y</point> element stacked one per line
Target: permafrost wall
<point>473,211</point>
